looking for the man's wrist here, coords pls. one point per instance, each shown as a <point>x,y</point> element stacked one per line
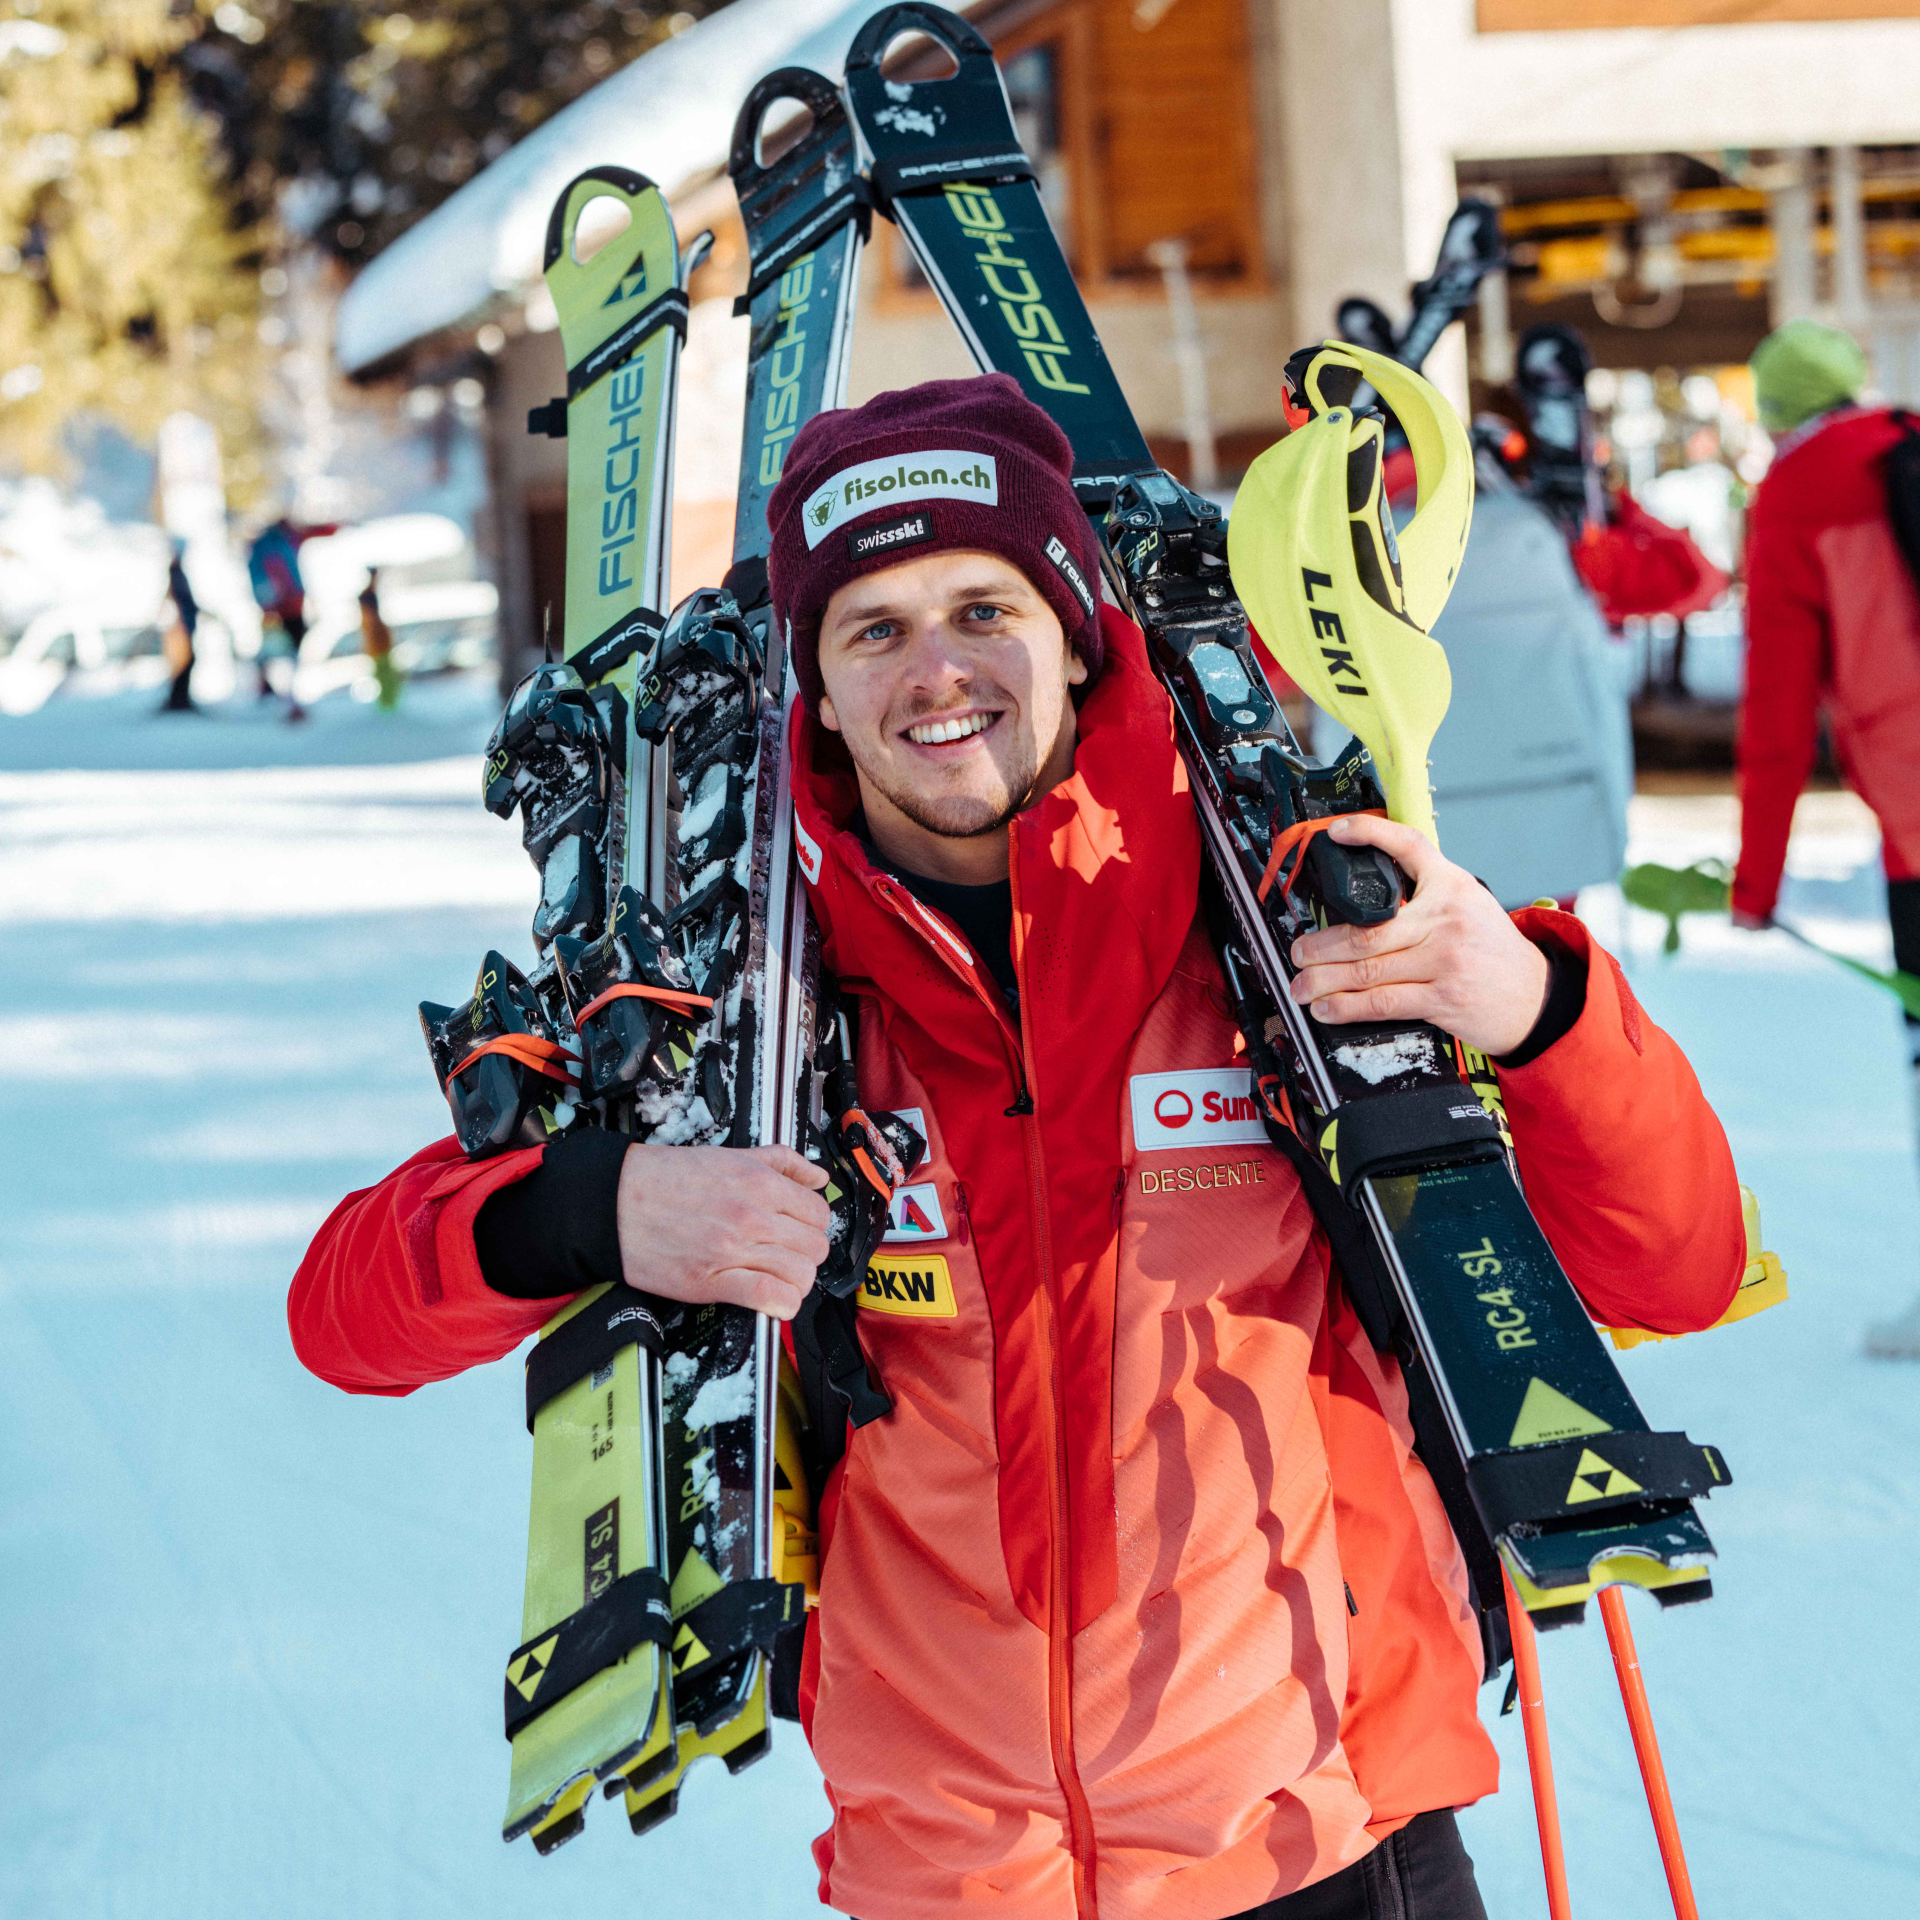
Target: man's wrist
<point>1560,1011</point>
<point>558,1230</point>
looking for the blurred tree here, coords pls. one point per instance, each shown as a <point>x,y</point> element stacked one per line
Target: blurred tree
<point>349,120</point>
<point>127,290</point>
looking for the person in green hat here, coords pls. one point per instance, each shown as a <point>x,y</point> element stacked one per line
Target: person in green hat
<point>1833,624</point>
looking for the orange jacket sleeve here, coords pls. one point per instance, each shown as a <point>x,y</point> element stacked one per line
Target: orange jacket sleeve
<point>1625,1165</point>
<point>1787,647</point>
<point>390,1294</point>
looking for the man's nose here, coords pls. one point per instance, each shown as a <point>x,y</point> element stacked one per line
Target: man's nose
<point>934,658</point>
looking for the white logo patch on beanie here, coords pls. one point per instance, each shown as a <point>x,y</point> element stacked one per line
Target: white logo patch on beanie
<point>949,473</point>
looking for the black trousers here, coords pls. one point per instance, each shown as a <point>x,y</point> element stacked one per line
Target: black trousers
<point>1420,1873</point>
<point>1903,909</point>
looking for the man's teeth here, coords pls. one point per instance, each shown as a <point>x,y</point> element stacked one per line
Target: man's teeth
<point>933,733</point>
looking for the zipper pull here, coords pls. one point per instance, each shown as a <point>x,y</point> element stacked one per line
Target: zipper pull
<point>1022,1108</point>
<point>960,1209</point>
<point>1119,1190</point>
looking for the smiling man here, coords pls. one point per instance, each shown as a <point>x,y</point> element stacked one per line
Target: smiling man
<point>1138,1603</point>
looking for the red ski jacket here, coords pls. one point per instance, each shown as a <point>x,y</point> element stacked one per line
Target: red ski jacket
<point>1833,620</point>
<point>1138,1603</point>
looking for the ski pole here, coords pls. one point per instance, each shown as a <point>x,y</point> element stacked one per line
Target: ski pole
<point>1533,1720</point>
<point>1646,1748</point>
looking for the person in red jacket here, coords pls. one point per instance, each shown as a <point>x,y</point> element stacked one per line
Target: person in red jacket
<point>1833,623</point>
<point>1138,1603</point>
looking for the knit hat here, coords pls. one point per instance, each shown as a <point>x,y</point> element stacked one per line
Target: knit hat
<point>1802,369</point>
<point>948,464</point>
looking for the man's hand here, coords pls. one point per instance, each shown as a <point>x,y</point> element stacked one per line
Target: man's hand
<point>1450,955</point>
<point>746,1225</point>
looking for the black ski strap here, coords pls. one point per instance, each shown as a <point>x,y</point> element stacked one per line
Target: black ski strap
<point>548,1667</point>
<point>742,1614</point>
<point>1396,1132</point>
<point>619,1318</point>
<point>668,310</point>
<point>835,1381</point>
<point>637,632</point>
<point>549,418</point>
<point>773,257</point>
<point>1589,1474</point>
<point>951,166</point>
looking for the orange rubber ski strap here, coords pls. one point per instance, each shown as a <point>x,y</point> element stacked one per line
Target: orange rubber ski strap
<point>687,1005</point>
<point>1298,835</point>
<point>543,1056</point>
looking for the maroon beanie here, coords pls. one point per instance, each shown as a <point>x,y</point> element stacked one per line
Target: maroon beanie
<point>948,464</point>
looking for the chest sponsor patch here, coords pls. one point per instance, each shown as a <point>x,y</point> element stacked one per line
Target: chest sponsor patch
<point>918,1287</point>
<point>1196,1107</point>
<point>809,852</point>
<point>941,473</point>
<point>916,1118</point>
<point>917,1215</point>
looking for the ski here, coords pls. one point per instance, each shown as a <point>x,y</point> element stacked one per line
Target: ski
<point>739,1520</point>
<point>588,1692</point>
<point>1535,1444</point>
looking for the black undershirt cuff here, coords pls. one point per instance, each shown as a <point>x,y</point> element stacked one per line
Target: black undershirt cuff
<point>1559,1013</point>
<point>557,1231</point>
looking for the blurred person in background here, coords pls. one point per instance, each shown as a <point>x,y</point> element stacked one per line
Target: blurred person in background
<point>376,639</point>
<point>181,627</point>
<point>273,567</point>
<point>1833,622</point>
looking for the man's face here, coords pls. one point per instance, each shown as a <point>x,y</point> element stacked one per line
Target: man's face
<point>948,678</point>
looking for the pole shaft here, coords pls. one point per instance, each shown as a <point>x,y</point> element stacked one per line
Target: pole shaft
<point>1533,1720</point>
<point>1646,1748</point>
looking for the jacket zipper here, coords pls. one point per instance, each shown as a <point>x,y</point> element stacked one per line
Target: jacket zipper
<point>1059,1603</point>
<point>965,1220</point>
<point>954,951</point>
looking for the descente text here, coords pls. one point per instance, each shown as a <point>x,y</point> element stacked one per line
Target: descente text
<point>1218,1173</point>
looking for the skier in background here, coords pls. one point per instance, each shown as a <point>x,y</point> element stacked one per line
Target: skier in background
<point>1139,1593</point>
<point>1833,622</point>
<point>376,640</point>
<point>180,631</point>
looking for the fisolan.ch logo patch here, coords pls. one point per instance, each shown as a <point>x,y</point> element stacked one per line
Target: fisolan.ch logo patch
<point>941,473</point>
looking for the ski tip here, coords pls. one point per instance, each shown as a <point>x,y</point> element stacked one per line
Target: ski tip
<point>801,85</point>
<point>964,42</point>
<point>622,179</point>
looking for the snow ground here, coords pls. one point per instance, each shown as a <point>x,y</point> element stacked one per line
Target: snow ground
<point>254,1626</point>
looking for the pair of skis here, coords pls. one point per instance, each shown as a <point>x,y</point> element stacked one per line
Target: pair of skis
<point>676,1000</point>
<point>1556,1486</point>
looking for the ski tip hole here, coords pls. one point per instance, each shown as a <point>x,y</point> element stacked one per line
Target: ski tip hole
<point>599,223</point>
<point>782,127</point>
<point>916,55</point>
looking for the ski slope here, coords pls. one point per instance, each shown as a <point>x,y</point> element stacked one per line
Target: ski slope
<point>254,1626</point>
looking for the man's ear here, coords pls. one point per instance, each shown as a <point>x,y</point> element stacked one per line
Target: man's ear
<point>1076,668</point>
<point>830,720</point>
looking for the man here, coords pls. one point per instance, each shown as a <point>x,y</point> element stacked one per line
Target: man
<point>1833,621</point>
<point>1137,1604</point>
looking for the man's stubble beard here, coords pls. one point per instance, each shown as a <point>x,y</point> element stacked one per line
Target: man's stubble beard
<point>964,816</point>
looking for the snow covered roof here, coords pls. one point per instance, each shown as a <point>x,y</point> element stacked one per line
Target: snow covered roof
<point>668,114</point>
